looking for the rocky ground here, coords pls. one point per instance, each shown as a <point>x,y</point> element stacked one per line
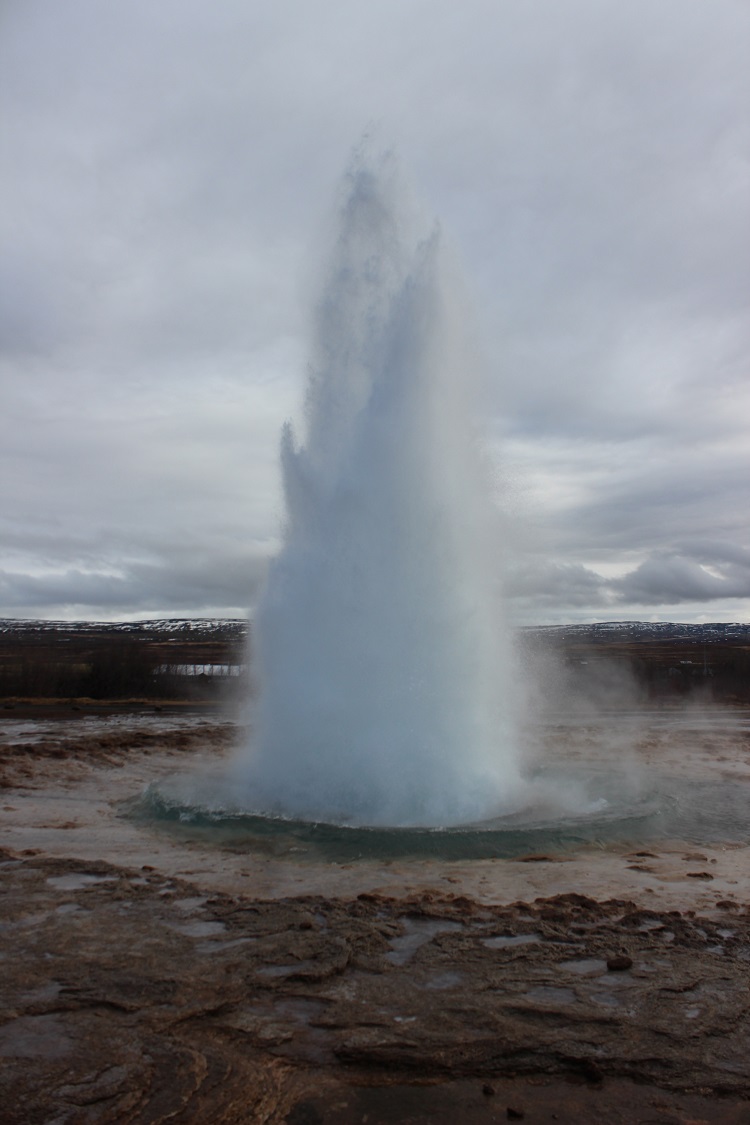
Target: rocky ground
<point>135,991</point>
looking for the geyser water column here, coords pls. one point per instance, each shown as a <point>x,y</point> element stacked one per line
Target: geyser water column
<point>379,652</point>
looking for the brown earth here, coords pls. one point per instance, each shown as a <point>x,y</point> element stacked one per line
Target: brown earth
<point>134,994</point>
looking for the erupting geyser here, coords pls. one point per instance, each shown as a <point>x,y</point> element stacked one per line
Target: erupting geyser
<point>382,681</point>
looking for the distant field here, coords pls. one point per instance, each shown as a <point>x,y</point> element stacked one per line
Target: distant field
<point>203,662</point>
<point>199,662</point>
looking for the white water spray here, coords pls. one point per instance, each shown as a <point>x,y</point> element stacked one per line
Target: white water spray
<point>379,649</point>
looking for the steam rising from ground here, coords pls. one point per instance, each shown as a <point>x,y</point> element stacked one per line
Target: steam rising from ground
<point>380,656</point>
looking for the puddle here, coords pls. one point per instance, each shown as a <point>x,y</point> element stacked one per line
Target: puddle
<point>500,941</point>
<point>78,880</point>
<point>199,929</point>
<point>300,1008</point>
<point>286,970</point>
<point>584,966</point>
<point>621,980</point>
<point>608,999</point>
<point>547,994</point>
<point>221,946</point>
<point>443,981</point>
<point>189,904</point>
<point>417,931</point>
<point>655,966</point>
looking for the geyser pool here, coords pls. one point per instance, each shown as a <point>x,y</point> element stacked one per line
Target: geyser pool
<point>685,781</point>
<point>379,652</point>
<point>633,777</point>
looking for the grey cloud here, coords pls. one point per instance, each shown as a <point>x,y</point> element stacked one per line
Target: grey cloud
<point>175,583</point>
<point>668,580</point>
<point>673,578</point>
<point>169,174</point>
<point>549,581</point>
<point>661,498</point>
<point>30,322</point>
<point>718,553</point>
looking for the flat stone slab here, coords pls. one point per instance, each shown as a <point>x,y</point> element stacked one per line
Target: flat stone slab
<point>129,998</point>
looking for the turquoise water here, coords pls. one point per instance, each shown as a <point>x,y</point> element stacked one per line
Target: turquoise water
<point>630,777</point>
<point>699,812</point>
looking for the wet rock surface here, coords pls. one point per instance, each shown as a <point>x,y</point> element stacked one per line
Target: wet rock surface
<point>23,758</point>
<point>146,979</point>
<point>130,996</point>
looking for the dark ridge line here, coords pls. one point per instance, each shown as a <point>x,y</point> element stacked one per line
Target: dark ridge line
<point>236,628</point>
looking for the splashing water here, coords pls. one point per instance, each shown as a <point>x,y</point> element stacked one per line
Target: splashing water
<point>379,650</point>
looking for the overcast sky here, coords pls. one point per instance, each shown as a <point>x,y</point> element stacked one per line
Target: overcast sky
<point>167,171</point>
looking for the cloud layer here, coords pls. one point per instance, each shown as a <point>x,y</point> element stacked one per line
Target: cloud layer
<point>169,171</point>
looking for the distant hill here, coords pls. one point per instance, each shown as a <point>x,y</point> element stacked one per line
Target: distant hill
<point>204,658</point>
<point>174,658</point>
<point>195,628</point>
<point>608,631</point>
<point>189,627</point>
